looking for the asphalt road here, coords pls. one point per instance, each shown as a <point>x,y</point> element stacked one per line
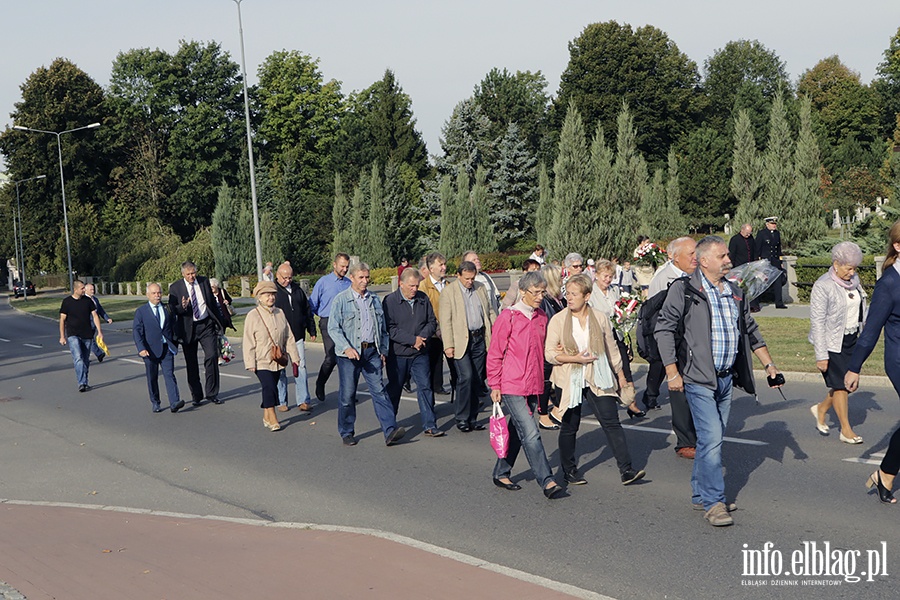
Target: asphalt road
<point>793,486</point>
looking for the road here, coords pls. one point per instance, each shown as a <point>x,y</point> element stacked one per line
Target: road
<point>643,541</point>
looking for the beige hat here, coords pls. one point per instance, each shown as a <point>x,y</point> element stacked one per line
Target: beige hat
<point>264,287</point>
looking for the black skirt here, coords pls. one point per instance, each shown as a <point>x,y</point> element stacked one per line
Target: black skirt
<point>838,362</point>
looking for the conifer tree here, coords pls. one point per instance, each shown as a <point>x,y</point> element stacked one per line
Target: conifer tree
<point>571,189</point>
<point>600,235</point>
<point>803,217</point>
<point>378,255</point>
<point>778,163</point>
<point>675,221</point>
<point>232,241</point>
<point>513,189</point>
<point>654,212</point>
<point>401,226</point>
<point>543,216</point>
<point>448,217</point>
<point>462,215</point>
<point>341,219</point>
<point>629,179</point>
<point>480,222</point>
<point>745,173</point>
<point>358,242</point>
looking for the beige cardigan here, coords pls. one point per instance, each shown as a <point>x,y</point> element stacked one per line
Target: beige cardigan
<point>562,372</point>
<point>454,327</point>
<point>257,344</point>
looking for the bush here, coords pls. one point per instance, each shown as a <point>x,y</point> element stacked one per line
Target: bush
<point>810,268</point>
<point>382,276</point>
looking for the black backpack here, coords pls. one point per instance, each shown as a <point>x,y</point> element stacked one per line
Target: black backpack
<point>648,315</point>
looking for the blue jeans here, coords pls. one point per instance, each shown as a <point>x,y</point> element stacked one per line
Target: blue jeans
<point>710,412</point>
<point>398,368</point>
<point>81,356</point>
<point>523,433</point>
<point>301,386</point>
<point>369,364</point>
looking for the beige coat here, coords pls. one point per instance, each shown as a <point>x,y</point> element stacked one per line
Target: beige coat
<point>454,327</point>
<point>600,341</point>
<point>257,344</point>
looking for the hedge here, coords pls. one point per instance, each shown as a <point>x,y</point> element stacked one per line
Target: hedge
<point>810,268</point>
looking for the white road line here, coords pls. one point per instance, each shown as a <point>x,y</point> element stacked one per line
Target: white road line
<point>33,345</point>
<point>132,361</point>
<point>4,340</point>
<point>878,454</point>
<point>221,374</point>
<point>862,461</point>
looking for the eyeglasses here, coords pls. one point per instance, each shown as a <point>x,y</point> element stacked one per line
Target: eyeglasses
<point>537,293</point>
<point>578,266</point>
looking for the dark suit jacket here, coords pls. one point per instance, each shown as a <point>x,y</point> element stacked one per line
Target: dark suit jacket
<point>405,322</point>
<point>184,317</point>
<point>884,313</point>
<point>147,333</point>
<point>296,309</point>
<point>768,246</point>
<point>742,250</point>
<point>100,312</point>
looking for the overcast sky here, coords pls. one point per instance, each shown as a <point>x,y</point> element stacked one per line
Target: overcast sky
<point>438,50</point>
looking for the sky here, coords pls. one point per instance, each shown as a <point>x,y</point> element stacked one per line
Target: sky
<point>438,51</point>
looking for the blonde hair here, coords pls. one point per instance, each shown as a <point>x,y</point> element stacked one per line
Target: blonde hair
<point>581,282</point>
<point>605,265</point>
<point>894,238</point>
<point>551,276</point>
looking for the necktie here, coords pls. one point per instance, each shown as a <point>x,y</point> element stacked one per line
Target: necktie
<point>194,304</point>
<point>159,317</point>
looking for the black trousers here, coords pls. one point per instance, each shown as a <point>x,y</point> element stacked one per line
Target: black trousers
<point>655,376</point>
<point>471,371</point>
<point>269,382</point>
<point>435,348</point>
<point>206,336</point>
<point>330,360</point>
<point>682,421</point>
<point>606,410</point>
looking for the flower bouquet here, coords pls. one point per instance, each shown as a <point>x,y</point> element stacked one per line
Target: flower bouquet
<point>624,318</point>
<point>754,278</point>
<point>225,349</point>
<point>650,255</point>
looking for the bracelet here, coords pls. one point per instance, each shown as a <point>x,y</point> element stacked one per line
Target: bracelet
<point>769,365</point>
<point>672,378</point>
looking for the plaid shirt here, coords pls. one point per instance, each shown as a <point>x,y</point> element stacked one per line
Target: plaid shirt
<point>723,318</point>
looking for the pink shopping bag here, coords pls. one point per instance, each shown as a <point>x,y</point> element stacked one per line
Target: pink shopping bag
<point>499,431</point>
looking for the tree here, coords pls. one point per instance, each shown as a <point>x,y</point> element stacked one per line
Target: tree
<point>601,195</point>
<point>480,215</point>
<point>571,187</point>
<point>513,190</point>
<point>653,211</point>
<point>449,221</point>
<point>629,178</point>
<point>519,98</point>
<point>358,242</point>
<point>704,181</point>
<point>466,140</point>
<point>730,75</point>
<point>803,215</point>
<point>674,225</point>
<point>746,173</point>
<point>777,162</point>
<point>543,217</point>
<point>887,85</point>
<point>610,64</point>
<point>303,216</point>
<point>378,255</point>
<point>340,217</point>
<point>232,236</point>
<point>401,189</point>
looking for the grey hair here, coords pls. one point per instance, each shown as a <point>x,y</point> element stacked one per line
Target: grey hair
<point>357,267</point>
<point>676,245</point>
<point>410,273</point>
<point>704,245</point>
<point>846,253</point>
<point>572,257</point>
<point>532,279</point>
<point>214,282</point>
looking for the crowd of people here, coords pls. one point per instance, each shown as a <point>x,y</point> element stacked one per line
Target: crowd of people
<point>548,346</point>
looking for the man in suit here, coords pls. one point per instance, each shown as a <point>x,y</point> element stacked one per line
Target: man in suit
<point>432,285</point>
<point>466,317</point>
<point>197,324</point>
<point>154,337</point>
<point>742,250</point>
<point>89,291</point>
<point>291,299</point>
<point>768,246</point>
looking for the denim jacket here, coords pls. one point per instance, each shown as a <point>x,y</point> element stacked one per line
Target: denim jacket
<point>344,323</point>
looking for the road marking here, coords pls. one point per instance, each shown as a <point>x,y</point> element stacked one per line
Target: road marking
<point>132,361</point>
<point>863,461</point>
<point>221,374</point>
<point>4,340</point>
<point>33,345</point>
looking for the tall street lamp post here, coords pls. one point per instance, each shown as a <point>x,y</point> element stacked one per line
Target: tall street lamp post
<point>62,182</point>
<point>259,261</point>
<point>20,249</point>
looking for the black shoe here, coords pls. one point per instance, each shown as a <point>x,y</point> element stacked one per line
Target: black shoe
<point>755,309</point>
<point>434,432</point>
<point>216,400</point>
<point>780,306</point>
<point>477,427</point>
<point>157,409</point>
<point>87,388</point>
<point>464,427</point>
<point>101,357</point>
<point>884,494</point>
<point>552,493</point>
<point>395,436</point>
<point>635,415</point>
<point>630,476</point>
<point>407,388</point>
<point>575,478</point>
<point>196,402</point>
<point>320,393</point>
<point>178,406</point>
<point>652,406</point>
<point>350,440</point>
<point>82,388</point>
<point>513,487</point>
<point>550,428</point>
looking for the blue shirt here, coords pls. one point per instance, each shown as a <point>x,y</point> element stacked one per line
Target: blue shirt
<point>723,318</point>
<point>324,292</point>
<point>366,327</point>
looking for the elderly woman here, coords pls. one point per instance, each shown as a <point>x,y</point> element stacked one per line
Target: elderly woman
<point>586,367</point>
<point>603,298</point>
<point>837,308</point>
<point>552,303</point>
<point>884,314</point>
<point>515,371</point>
<point>265,329</point>
<point>224,300</point>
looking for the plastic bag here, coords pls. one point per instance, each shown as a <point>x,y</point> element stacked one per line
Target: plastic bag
<point>754,278</point>
<point>102,345</point>
<point>499,431</point>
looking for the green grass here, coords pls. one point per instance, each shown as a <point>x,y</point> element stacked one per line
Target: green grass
<point>119,309</point>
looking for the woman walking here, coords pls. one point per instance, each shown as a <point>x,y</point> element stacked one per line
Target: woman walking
<point>265,330</point>
<point>551,304</point>
<point>587,366</point>
<point>515,371</point>
<point>837,308</point>
<point>884,313</point>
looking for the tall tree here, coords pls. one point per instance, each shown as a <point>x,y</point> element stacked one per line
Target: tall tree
<point>401,189</point>
<point>448,229</point>
<point>746,177</point>
<point>887,85</point>
<point>803,214</point>
<point>480,215</point>
<point>519,98</point>
<point>674,225</point>
<point>303,216</point>
<point>629,179</point>
<point>341,217</point>
<point>704,184</point>
<point>601,195</point>
<point>379,255</point>
<point>653,205</point>
<point>610,63</point>
<point>571,187</point>
<point>466,140</point>
<point>513,190</point>
<point>543,217</point>
<point>232,236</point>
<point>359,243</point>
<point>777,163</point>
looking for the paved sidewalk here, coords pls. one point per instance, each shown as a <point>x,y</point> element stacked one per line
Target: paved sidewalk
<point>52,551</point>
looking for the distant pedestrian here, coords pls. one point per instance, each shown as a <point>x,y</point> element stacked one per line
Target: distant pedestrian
<point>742,250</point>
<point>513,294</point>
<point>323,294</point>
<point>223,299</point>
<point>485,280</point>
<point>404,263</point>
<point>154,337</point>
<point>768,246</point>
<point>539,254</point>
<point>89,291</point>
<point>268,273</point>
<point>292,301</point>
<point>76,314</point>
<point>432,286</point>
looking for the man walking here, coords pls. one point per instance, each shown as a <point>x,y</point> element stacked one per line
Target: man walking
<point>702,359</point>
<point>197,324</point>
<point>682,262</point>
<point>89,292</point>
<point>154,338</point>
<point>356,324</point>
<point>742,250</point>
<point>77,315</point>
<point>466,318</point>
<point>484,279</point>
<point>320,301</point>
<point>432,286</point>
<point>293,302</point>
<point>768,246</point>
<point>410,322</point>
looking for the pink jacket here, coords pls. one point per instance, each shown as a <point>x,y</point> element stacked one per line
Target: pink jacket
<point>515,359</point>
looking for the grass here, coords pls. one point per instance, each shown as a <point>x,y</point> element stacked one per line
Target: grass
<point>785,337</point>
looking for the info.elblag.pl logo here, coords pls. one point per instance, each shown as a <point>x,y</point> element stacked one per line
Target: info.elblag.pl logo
<point>812,564</point>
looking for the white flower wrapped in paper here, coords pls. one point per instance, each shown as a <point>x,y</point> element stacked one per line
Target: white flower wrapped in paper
<point>754,278</point>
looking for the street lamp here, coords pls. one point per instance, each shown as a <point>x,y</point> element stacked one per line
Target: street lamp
<point>20,249</point>
<point>259,263</point>
<point>62,182</point>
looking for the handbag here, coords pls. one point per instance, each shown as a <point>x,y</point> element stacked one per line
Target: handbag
<point>276,353</point>
<point>499,431</point>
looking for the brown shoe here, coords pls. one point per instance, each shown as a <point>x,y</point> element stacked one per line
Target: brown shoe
<point>305,407</point>
<point>687,452</point>
<point>284,408</point>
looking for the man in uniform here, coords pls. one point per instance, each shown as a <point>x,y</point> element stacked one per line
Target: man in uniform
<point>768,246</point>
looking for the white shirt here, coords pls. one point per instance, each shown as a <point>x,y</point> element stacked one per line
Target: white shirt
<point>582,336</point>
<point>201,303</point>
<point>438,284</point>
<point>853,300</point>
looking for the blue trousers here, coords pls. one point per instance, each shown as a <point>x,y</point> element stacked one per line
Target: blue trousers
<point>398,368</point>
<point>151,367</point>
<point>81,357</point>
